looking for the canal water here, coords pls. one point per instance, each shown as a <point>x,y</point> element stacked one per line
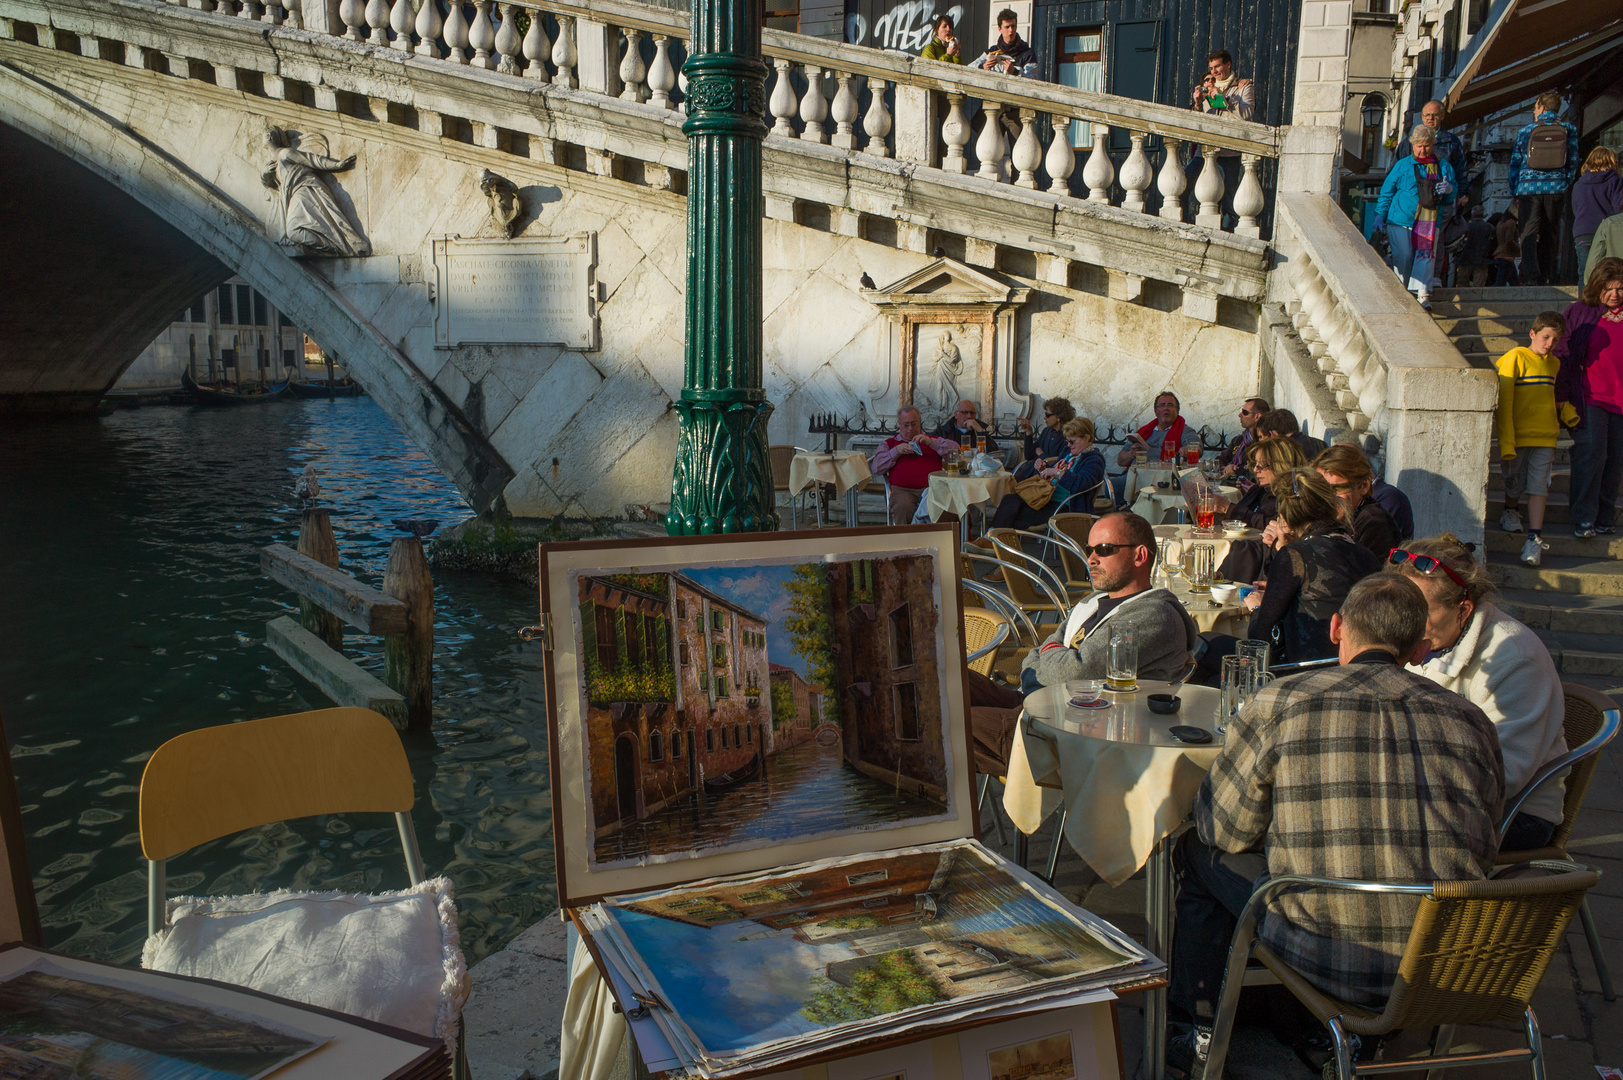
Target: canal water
<point>132,609</point>
<point>826,795</point>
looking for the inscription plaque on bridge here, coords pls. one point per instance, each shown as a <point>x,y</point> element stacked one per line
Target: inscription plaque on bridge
<point>526,292</point>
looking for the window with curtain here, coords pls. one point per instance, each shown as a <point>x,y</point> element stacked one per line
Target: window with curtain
<point>1079,62</point>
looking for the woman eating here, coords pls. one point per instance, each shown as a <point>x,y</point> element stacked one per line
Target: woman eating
<point>1079,471</point>
<point>1591,382</point>
<point>1347,470</point>
<point>1497,664</point>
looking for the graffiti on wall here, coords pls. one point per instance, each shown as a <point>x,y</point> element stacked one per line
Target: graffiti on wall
<point>907,25</point>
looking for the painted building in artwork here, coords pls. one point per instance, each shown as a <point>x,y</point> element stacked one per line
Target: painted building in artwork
<point>676,689</point>
<point>884,616</point>
<point>797,707</point>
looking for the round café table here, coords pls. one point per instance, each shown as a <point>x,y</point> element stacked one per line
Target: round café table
<point>956,494</point>
<point>1153,501</point>
<point>1126,785</point>
<point>844,469</point>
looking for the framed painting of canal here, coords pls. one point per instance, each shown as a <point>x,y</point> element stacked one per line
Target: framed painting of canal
<point>719,705</point>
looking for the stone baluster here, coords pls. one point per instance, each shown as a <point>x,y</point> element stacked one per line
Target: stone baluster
<point>564,56</point>
<point>224,7</point>
<point>295,16</point>
<point>377,17</point>
<point>661,76</point>
<point>813,106</point>
<point>429,25</point>
<point>456,32</point>
<point>989,146</point>
<point>1209,191</point>
<point>1302,274</point>
<point>482,36</point>
<point>1136,174</point>
<point>632,70</point>
<point>1099,173</point>
<point>508,41</point>
<point>248,10</point>
<point>401,18</point>
<point>1028,150</point>
<point>782,103</point>
<point>955,135</point>
<point>1061,160</point>
<point>876,121</point>
<point>273,14</point>
<point>353,12</point>
<point>844,113</point>
<point>1248,200</point>
<point>1171,182</point>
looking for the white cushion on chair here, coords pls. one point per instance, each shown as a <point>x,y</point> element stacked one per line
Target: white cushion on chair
<point>391,957</point>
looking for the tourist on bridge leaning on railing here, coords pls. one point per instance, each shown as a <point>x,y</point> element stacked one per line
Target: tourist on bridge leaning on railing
<point>1049,443</point>
<point>1496,664</point>
<point>1162,437</point>
<point>943,43</point>
<point>1591,380</point>
<point>906,462</point>
<point>1079,472</point>
<point>1409,209</point>
<point>1309,756</point>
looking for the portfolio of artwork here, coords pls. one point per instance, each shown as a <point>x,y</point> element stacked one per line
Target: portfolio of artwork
<point>765,824</point>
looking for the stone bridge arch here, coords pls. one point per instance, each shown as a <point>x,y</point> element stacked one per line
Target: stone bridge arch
<point>110,234</point>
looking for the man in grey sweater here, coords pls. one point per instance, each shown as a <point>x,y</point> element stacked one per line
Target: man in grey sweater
<point>1121,558</point>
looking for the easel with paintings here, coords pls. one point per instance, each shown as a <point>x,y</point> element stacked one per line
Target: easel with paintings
<point>765,827</point>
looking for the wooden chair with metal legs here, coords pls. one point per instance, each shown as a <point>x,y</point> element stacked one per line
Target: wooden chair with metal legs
<point>1475,954</point>
<point>984,633</point>
<point>1591,721</point>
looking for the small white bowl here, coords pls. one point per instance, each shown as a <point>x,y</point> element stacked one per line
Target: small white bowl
<point>1226,593</point>
<point>1234,526</point>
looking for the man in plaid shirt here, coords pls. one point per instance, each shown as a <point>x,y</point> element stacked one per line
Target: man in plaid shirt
<point>1361,771</point>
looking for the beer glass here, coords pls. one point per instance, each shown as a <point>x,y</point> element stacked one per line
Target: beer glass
<point>1199,565</point>
<point>1233,690</point>
<point>1121,663</point>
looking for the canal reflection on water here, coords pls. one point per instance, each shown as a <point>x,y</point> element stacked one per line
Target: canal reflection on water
<point>827,796</point>
<point>132,609</point>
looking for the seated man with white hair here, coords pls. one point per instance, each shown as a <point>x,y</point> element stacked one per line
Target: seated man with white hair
<point>906,461</point>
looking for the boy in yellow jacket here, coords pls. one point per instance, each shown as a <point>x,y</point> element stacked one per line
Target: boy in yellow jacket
<point>1528,424</point>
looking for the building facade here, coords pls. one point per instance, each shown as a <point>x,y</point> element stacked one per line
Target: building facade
<point>231,333</point>
<point>797,707</point>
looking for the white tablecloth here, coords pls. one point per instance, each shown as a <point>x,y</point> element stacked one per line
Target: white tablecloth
<point>1181,536</point>
<point>956,494</point>
<point>1125,782</point>
<point>844,469</point>
<point>1151,502</point>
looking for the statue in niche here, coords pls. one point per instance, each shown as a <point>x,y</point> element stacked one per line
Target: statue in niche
<point>505,203</point>
<point>312,220</point>
<point>949,364</point>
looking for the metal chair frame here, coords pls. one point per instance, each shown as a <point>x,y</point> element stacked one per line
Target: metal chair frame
<point>1245,940</point>
<point>1058,603</point>
<point>1003,605</point>
<point>1057,592</point>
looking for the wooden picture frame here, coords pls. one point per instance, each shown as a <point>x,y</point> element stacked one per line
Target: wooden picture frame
<point>679,749</point>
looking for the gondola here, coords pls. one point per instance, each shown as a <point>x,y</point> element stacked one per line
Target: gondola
<point>727,781</point>
<point>320,388</point>
<point>219,395</point>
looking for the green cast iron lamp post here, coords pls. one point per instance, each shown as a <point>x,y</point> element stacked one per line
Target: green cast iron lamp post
<point>722,481</point>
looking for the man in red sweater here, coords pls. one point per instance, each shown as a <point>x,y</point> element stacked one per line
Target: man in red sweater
<point>907,460</point>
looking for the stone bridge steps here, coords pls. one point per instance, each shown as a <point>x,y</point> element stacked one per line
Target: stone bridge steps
<point>1484,324</point>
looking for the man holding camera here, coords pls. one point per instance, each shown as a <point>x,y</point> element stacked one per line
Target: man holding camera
<point>1222,93</point>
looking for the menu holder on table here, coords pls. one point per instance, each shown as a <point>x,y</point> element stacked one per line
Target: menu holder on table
<point>764,814</point>
<point>57,1011</point>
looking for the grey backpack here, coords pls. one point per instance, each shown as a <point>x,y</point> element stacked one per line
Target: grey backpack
<point>1547,148</point>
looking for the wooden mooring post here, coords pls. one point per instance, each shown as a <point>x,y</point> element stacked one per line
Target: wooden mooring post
<point>402,613</point>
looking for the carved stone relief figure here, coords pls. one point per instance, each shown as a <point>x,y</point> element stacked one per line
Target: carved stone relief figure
<point>312,220</point>
<point>505,202</point>
<point>949,364</point>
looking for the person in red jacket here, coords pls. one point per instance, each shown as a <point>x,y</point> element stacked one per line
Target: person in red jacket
<point>907,460</point>
<point>1163,436</point>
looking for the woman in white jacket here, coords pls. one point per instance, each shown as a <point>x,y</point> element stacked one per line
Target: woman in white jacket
<point>1497,664</point>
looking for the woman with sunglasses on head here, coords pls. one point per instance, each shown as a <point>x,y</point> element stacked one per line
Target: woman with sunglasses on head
<point>1267,459</point>
<point>1498,665</point>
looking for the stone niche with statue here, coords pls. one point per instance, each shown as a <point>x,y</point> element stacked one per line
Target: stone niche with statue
<point>952,336</point>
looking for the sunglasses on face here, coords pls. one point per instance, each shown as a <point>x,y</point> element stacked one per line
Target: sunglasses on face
<point>1104,551</point>
<point>1425,564</point>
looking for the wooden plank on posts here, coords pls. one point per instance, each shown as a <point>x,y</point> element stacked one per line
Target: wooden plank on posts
<point>316,540</point>
<point>339,677</point>
<point>364,608</point>
<point>408,660</point>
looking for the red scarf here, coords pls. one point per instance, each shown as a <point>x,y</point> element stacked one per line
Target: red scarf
<point>1169,445</point>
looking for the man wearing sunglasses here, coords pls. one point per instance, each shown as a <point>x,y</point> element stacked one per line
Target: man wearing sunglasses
<point>1121,557</point>
<point>965,420</point>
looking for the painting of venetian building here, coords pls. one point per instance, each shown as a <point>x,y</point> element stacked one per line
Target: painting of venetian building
<point>743,706</point>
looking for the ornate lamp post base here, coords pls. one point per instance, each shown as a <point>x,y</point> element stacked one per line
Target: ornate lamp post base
<point>723,477</point>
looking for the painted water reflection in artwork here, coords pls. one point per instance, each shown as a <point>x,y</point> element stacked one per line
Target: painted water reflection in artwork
<point>754,960</point>
<point>737,706</point>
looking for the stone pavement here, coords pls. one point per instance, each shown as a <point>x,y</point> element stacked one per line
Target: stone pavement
<point>514,1015</point>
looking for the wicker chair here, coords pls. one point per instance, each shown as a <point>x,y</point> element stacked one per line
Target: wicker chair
<point>1076,527</point>
<point>984,633</point>
<point>1591,722</point>
<point>1446,977</point>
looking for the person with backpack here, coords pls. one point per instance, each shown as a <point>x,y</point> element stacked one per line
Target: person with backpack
<point>1415,188</point>
<point>1542,168</point>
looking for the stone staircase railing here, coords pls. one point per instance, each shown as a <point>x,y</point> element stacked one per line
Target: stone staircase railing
<point>860,100</point>
<point>1364,357</point>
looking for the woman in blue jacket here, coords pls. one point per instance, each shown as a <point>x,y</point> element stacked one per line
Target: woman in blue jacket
<point>1081,470</point>
<point>1415,187</point>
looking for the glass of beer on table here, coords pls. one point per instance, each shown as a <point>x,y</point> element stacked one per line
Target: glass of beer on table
<point>1121,663</point>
